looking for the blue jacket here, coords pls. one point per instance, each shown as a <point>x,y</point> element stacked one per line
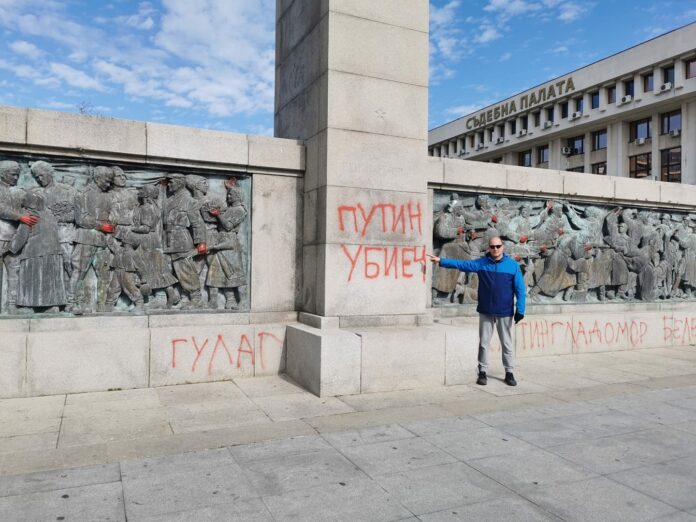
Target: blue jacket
<point>498,281</point>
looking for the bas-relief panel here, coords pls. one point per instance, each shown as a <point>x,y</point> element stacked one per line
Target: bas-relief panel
<point>568,251</point>
<point>79,237</point>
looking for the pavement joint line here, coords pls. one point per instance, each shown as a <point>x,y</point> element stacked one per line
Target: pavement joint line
<point>62,416</point>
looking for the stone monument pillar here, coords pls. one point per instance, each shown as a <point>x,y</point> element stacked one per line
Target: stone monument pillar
<point>352,82</point>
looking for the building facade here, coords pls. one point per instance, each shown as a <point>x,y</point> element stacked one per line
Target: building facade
<point>632,114</point>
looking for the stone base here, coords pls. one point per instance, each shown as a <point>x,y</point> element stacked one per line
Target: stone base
<point>59,355</point>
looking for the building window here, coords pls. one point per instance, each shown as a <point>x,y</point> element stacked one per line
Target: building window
<point>480,137</point>
<point>670,165</point>
<point>497,160</point>
<point>648,82</point>
<point>628,88</point>
<point>639,166</point>
<point>576,169</point>
<point>513,127</point>
<point>599,168</point>
<point>640,129</point>
<point>501,131</point>
<point>690,68</point>
<point>611,94</point>
<point>537,118</point>
<point>599,139</point>
<point>670,121</point>
<point>543,154</point>
<point>668,74</point>
<point>549,114</point>
<point>594,100</point>
<point>472,141</point>
<point>490,134</point>
<point>524,158</point>
<point>576,145</point>
<point>564,110</point>
<point>579,104</point>
<point>525,122</point>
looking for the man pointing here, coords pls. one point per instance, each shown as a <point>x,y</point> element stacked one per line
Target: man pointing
<point>500,278</point>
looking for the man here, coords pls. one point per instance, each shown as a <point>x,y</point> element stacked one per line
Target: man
<point>10,217</point>
<point>500,278</point>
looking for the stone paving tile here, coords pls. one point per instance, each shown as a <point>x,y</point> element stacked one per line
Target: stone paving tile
<point>267,386</point>
<point>553,411</point>
<point>657,411</point>
<point>252,510</point>
<point>655,370</point>
<point>597,392</point>
<point>34,441</point>
<point>446,424</point>
<point>349,501</point>
<point>475,444</point>
<point>677,516</point>
<point>280,474</point>
<point>496,386</point>
<point>200,393</point>
<point>146,396</point>
<point>598,499</point>
<point>12,426</point>
<point>546,432</point>
<point>670,381</point>
<point>367,435</point>
<point>394,456</point>
<point>278,448</point>
<point>405,398</point>
<point>435,488</point>
<point>504,507</point>
<point>58,479</point>
<point>137,469</point>
<point>366,419</point>
<point>32,407</point>
<point>610,423</point>
<point>300,406</point>
<point>631,450</point>
<point>60,458</point>
<point>530,469</point>
<point>561,380</point>
<point>111,426</point>
<point>100,502</point>
<point>609,375</point>
<point>215,420</point>
<point>689,426</point>
<point>672,482</point>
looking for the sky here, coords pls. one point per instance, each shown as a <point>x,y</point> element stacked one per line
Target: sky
<point>210,63</point>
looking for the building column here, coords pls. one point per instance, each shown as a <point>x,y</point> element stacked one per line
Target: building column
<point>588,148</point>
<point>555,155</point>
<point>655,147</point>
<point>617,139</point>
<point>688,143</point>
<point>679,74</point>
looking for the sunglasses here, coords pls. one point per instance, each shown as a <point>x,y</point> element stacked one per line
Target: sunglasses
<point>495,246</point>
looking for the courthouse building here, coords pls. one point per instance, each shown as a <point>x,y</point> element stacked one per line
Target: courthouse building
<point>632,114</point>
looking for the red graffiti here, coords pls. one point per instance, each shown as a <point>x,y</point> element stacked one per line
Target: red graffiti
<point>386,262</point>
<point>540,334</point>
<point>679,329</point>
<point>386,218</point>
<point>210,346</point>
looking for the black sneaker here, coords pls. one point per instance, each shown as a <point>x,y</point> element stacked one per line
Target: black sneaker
<point>510,379</point>
<point>482,379</point>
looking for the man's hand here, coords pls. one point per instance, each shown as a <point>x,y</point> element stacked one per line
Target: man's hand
<point>106,227</point>
<point>433,258</point>
<point>215,212</point>
<point>202,248</point>
<point>518,317</point>
<point>28,219</point>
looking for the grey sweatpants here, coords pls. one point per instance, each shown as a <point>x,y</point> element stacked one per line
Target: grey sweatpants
<point>504,326</point>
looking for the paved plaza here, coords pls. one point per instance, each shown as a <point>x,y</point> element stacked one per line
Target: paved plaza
<point>606,436</point>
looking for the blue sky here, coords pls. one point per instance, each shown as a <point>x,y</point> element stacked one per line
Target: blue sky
<point>210,63</point>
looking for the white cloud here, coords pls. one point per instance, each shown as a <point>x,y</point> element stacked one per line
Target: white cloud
<point>142,19</point>
<point>487,34</point>
<point>458,111</point>
<point>26,49</point>
<point>510,8</point>
<point>570,11</point>
<point>505,57</point>
<point>75,77</point>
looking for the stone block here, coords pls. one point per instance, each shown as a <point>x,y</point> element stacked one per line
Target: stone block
<point>296,21</point>
<point>75,131</point>
<point>171,141</point>
<point>402,56</point>
<point>544,334</point>
<point>95,323</point>
<point>306,62</point>
<point>13,125</point>
<point>276,224</point>
<point>654,329</point>
<point>677,193</point>
<point>276,153</point>
<point>201,354</point>
<point>373,105</point>
<point>678,328</point>
<point>314,221</point>
<point>375,217</point>
<point>363,284</point>
<point>532,180</point>
<point>376,321</point>
<point>603,332</point>
<point>13,361</point>
<point>318,321</point>
<point>326,362</point>
<point>87,360</point>
<point>201,319</point>
<point>474,174</point>
<point>313,270</point>
<point>304,115</point>
<point>315,173</point>
<point>402,358</point>
<point>576,184</point>
<point>435,170</point>
<point>14,325</point>
<point>269,349</point>
<point>635,189</point>
<point>272,317</point>
<point>412,14</point>
<point>372,161</point>
<point>461,354</point>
